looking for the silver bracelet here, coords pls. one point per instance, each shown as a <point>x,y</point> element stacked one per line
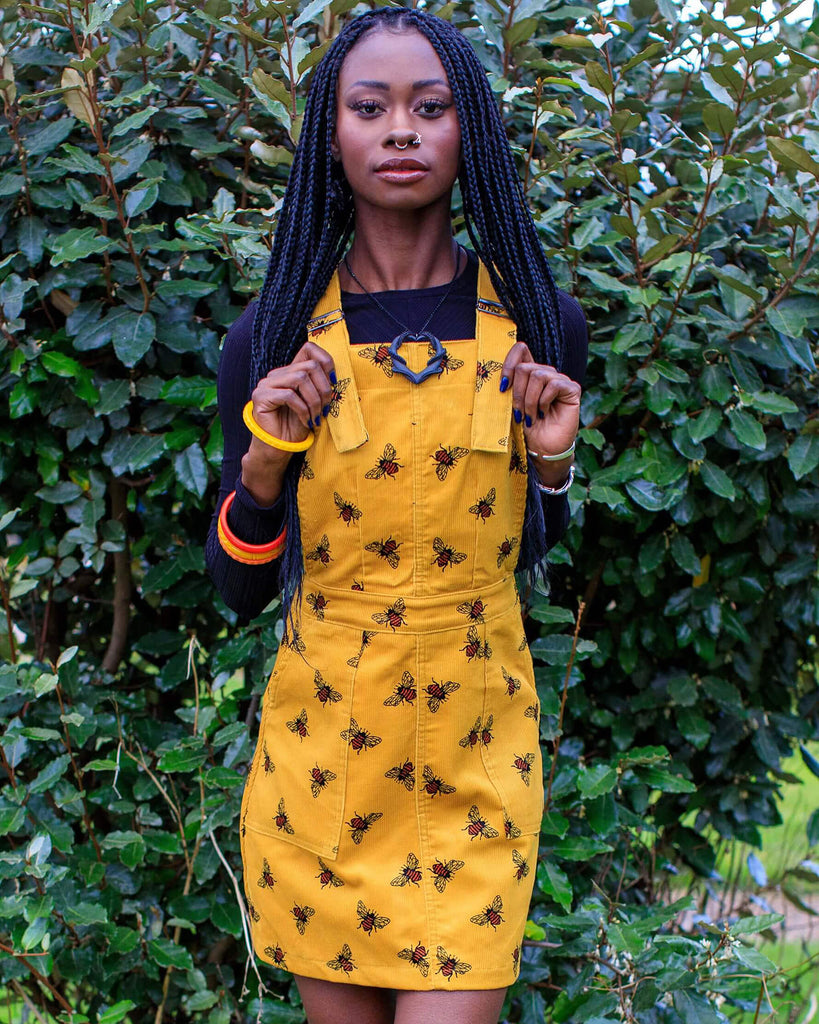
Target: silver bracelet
<point>553,458</point>
<point>556,490</point>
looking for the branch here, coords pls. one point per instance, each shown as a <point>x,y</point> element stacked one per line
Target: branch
<point>122,582</point>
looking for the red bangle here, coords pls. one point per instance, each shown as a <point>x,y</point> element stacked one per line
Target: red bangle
<point>241,551</point>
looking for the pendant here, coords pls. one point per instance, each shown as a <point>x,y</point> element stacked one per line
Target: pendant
<point>399,364</point>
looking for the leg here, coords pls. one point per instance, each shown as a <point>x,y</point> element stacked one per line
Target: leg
<point>330,1002</point>
<point>440,1007</point>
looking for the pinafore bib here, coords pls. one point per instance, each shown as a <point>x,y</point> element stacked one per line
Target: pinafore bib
<point>391,815</point>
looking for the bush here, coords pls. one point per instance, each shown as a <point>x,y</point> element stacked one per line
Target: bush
<point>671,160</point>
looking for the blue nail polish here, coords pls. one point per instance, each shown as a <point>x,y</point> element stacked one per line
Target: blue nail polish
<point>309,423</point>
<point>518,415</point>
<point>541,415</point>
<point>528,420</point>
<point>318,421</point>
<point>504,384</point>
<point>333,378</point>
<point>325,412</point>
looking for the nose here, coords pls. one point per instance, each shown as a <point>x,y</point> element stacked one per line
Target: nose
<point>402,139</point>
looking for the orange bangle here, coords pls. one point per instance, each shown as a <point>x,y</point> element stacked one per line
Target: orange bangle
<point>241,551</point>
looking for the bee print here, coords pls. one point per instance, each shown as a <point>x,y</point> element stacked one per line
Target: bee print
<point>403,773</point>
<point>417,956</point>
<point>266,879</point>
<point>437,693</point>
<point>394,616</point>
<point>443,872</point>
<point>254,913</point>
<point>343,961</point>
<point>512,684</point>
<point>357,585</point>
<point>327,876</point>
<point>484,372</point>
<point>516,959</point>
<point>446,459</point>
<point>318,603</point>
<point>410,873</point>
<point>478,826</point>
<point>450,966</point>
<point>366,639</point>
<point>405,692</point>
<point>473,610</point>
<point>490,915</point>
<point>378,355</point>
<point>299,725</point>
<point>510,829</point>
<point>302,916</point>
<point>505,549</point>
<point>320,778</point>
<point>486,732</point>
<point>347,511</point>
<point>358,738</point>
<point>369,921</point>
<point>533,711</point>
<point>281,819</point>
<point>267,761</point>
<point>523,764</point>
<point>445,556</point>
<point>321,552</point>
<point>473,737</point>
<point>434,785</point>
<point>448,362</point>
<point>474,646</point>
<point>306,471</point>
<point>386,549</point>
<point>483,507</point>
<point>388,465</point>
<point>521,866</point>
<point>517,463</point>
<point>337,394</point>
<point>359,824</point>
<point>325,694</point>
<point>294,642</point>
<point>277,955</point>
<point>524,643</point>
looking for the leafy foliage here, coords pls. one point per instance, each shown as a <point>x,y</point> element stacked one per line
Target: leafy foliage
<point>671,162</point>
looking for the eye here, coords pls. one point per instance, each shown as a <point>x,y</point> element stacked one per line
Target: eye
<point>433,106</point>
<point>367,107</point>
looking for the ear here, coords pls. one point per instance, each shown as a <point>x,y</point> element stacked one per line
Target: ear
<point>335,152</point>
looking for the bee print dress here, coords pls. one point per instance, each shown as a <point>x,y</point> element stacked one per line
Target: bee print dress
<point>391,816</point>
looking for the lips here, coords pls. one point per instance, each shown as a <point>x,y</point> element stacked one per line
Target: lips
<point>402,164</point>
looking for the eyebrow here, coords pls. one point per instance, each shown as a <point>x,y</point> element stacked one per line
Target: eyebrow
<point>384,86</point>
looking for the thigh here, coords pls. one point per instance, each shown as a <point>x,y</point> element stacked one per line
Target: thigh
<point>439,1007</point>
<point>330,1002</point>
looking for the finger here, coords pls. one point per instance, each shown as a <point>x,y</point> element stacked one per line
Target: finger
<point>558,390</point>
<point>311,351</point>
<point>305,377</point>
<point>274,400</point>
<point>540,379</point>
<point>518,353</point>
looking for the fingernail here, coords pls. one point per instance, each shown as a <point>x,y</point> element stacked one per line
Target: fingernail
<point>325,411</point>
<point>318,420</point>
<point>528,420</point>
<point>540,414</point>
<point>518,415</point>
<point>504,383</point>
<point>309,423</point>
<point>333,378</point>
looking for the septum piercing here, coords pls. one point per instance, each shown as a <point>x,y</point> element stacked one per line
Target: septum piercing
<point>412,142</point>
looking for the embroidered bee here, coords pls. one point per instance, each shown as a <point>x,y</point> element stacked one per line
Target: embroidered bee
<point>437,693</point>
<point>490,915</point>
<point>410,873</point>
<point>405,692</point>
<point>358,738</point>
<point>306,471</point>
<point>277,955</point>
<point>321,552</point>
<point>325,694</point>
<point>505,549</point>
<point>533,711</point>
<point>320,778</point>
<point>473,737</point>
<point>357,585</point>
<point>484,372</point>
<point>298,726</point>
<point>403,773</point>
<point>510,829</point>
<point>474,646</point>
<point>517,463</point>
<point>327,876</point>
<point>267,761</point>
<point>266,879</point>
<point>254,913</point>
<point>294,642</point>
<point>446,459</point>
<point>477,826</point>
<point>448,362</point>
<point>524,643</point>
<point>343,961</point>
<point>336,395</point>
<point>450,966</point>
<point>483,507</point>
<point>388,465</point>
<point>386,549</point>
<point>443,871</point>
<point>521,866</point>
<point>318,602</point>
<point>394,616</point>
<point>347,511</point>
<point>417,956</point>
<point>512,684</point>
<point>370,922</point>
<point>516,959</point>
<point>434,785</point>
<point>473,610</point>
<point>281,819</point>
<point>302,916</point>
<point>378,355</point>
<point>366,639</point>
<point>523,764</point>
<point>445,556</point>
<point>486,732</point>
<point>359,824</point>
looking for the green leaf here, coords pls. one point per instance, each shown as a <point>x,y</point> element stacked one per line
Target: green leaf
<point>184,758</point>
<point>554,882</point>
<point>695,1008</point>
<point>791,154</point>
<point>134,121</point>
<point>659,778</point>
<point>85,914</point>
<point>166,953</point>
<point>580,848</point>
<point>747,429</point>
<point>683,553</point>
<point>191,469</point>
<point>812,828</point>
<point>717,481</point>
<point>787,321</point>
<point>755,925</point>
<point>116,1012</point>
<point>719,118</point>
<point>194,391</point>
<point>597,780</point>
<point>78,244</point>
<point>133,336</point>
<point>803,455</point>
<point>705,425</point>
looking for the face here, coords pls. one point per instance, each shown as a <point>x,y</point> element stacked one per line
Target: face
<point>391,88</point>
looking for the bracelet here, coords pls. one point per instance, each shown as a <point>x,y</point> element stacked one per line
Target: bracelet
<point>241,551</point>
<point>269,439</point>
<point>556,490</point>
<point>554,458</point>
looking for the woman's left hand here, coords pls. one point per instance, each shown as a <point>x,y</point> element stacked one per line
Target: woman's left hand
<point>546,401</point>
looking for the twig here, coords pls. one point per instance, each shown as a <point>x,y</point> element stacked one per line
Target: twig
<point>556,748</point>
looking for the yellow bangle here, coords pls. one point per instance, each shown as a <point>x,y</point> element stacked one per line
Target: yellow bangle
<point>269,439</point>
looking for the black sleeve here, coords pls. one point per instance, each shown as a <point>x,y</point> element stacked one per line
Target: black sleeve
<point>575,332</point>
<point>247,589</point>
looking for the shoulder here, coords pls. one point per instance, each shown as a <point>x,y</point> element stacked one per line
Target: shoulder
<point>239,335</point>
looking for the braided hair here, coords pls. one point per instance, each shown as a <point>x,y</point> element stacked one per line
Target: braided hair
<point>317,220</point>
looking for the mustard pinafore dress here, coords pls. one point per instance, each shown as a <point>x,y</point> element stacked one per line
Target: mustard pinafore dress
<point>391,815</point>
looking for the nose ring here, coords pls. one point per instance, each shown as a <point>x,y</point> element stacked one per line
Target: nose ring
<point>412,142</point>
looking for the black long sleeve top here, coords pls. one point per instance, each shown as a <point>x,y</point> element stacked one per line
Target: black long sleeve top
<point>248,589</point>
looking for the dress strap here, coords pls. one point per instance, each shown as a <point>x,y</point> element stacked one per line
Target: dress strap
<point>328,329</point>
<point>496,333</point>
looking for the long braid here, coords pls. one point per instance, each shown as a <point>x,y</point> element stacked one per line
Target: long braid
<point>316,221</point>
